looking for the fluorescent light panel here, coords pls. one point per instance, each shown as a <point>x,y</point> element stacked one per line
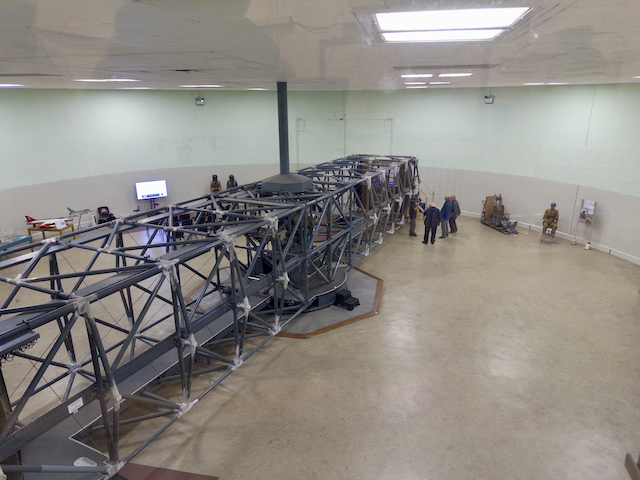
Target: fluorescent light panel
<point>201,86</point>
<point>450,19</point>
<point>417,75</point>
<point>105,80</point>
<point>455,74</point>
<point>415,83</point>
<point>533,84</point>
<point>439,83</point>
<point>441,36</point>
<point>424,86</point>
<point>8,85</point>
<point>266,89</point>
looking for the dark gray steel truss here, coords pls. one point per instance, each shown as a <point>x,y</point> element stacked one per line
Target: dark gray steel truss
<point>268,255</point>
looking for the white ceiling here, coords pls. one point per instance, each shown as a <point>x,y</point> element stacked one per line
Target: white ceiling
<point>311,44</point>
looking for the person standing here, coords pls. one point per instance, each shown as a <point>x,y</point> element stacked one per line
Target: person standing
<point>231,183</point>
<point>455,213</point>
<point>215,186</point>
<point>445,215</point>
<point>431,222</point>
<point>550,220</point>
<point>413,213</point>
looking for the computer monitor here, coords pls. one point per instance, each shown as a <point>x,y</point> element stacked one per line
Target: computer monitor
<point>151,190</point>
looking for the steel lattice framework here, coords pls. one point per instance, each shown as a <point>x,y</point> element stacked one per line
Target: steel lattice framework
<point>267,257</point>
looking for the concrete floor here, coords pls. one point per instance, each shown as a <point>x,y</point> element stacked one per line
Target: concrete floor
<point>493,357</point>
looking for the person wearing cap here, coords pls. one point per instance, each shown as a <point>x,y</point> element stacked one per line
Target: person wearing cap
<point>431,222</point>
<point>215,186</point>
<point>455,213</point>
<point>231,183</point>
<point>550,220</point>
<point>413,214</point>
<point>445,214</point>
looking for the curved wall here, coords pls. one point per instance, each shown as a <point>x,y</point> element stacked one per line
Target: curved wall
<point>534,145</point>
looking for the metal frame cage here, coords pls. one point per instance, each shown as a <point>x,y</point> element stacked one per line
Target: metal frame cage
<point>255,260</point>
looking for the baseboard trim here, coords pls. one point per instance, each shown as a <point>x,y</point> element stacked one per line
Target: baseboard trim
<point>582,241</point>
<point>566,236</point>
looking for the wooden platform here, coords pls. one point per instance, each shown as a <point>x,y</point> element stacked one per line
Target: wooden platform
<point>132,471</point>
<point>321,321</point>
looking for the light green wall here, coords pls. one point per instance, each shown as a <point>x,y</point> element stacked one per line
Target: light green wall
<point>48,136</point>
<point>582,135</point>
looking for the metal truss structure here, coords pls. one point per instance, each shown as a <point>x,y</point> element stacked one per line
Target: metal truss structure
<point>260,259</point>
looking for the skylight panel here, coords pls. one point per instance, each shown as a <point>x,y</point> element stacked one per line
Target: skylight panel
<point>417,75</point>
<point>441,36</point>
<point>201,86</point>
<point>455,74</point>
<point>105,80</point>
<point>450,19</point>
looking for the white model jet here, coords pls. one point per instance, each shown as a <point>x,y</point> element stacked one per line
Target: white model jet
<point>47,222</point>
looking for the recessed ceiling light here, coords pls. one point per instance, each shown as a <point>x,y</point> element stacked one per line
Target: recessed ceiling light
<point>105,80</point>
<point>439,83</point>
<point>201,86</point>
<point>424,86</point>
<point>442,36</point>
<point>455,74</point>
<point>532,84</point>
<point>3,85</point>
<point>415,83</point>
<point>417,75</point>
<point>450,19</point>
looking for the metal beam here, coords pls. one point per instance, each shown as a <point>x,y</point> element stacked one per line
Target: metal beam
<point>255,253</point>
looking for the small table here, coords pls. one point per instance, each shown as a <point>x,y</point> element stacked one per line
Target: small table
<point>17,240</point>
<point>45,230</point>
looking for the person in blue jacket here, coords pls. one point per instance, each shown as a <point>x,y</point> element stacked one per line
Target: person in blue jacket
<point>431,222</point>
<point>445,213</point>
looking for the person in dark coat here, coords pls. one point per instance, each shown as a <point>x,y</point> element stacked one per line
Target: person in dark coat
<point>455,213</point>
<point>445,215</point>
<point>431,222</point>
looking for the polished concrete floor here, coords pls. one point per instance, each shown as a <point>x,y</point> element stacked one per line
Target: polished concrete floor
<point>493,357</point>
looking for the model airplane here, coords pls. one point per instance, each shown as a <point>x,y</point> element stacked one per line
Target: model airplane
<point>46,222</point>
<point>78,213</point>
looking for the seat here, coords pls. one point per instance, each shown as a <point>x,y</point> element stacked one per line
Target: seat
<point>104,215</point>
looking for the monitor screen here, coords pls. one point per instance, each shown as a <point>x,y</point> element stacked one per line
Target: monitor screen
<point>153,189</point>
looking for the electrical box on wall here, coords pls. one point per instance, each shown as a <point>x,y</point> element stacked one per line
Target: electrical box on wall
<point>488,99</point>
<point>200,101</point>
